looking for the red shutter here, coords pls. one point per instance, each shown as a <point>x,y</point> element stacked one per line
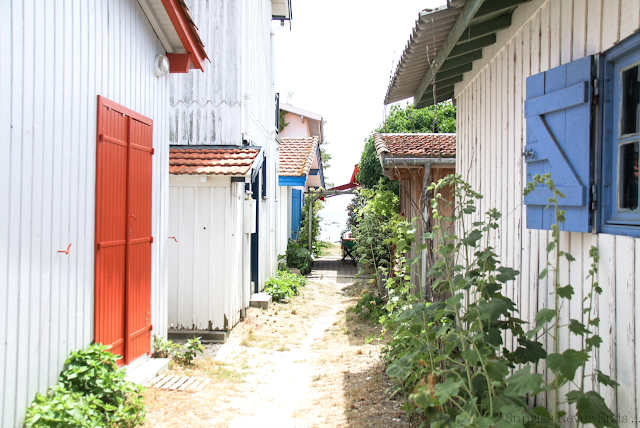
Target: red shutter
<point>123,231</point>
<point>138,299</point>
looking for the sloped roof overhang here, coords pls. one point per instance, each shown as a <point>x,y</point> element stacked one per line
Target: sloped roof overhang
<point>177,32</point>
<point>443,46</point>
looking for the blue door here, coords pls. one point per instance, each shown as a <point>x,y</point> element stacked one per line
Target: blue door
<point>296,213</point>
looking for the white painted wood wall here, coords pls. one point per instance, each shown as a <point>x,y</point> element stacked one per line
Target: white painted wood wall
<point>284,218</point>
<point>55,58</point>
<point>234,97</point>
<point>491,137</point>
<point>205,275</point>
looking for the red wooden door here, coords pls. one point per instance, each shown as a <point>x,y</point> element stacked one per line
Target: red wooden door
<point>138,299</point>
<point>123,231</point>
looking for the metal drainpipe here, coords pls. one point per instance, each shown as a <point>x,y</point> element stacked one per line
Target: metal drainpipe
<point>418,161</point>
<point>241,201</point>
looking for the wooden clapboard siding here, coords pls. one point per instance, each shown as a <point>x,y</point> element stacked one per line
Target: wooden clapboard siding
<point>233,99</point>
<point>545,34</point>
<point>55,58</point>
<point>205,275</point>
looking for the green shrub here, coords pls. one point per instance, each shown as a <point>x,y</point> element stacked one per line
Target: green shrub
<point>184,355</point>
<point>370,307</point>
<point>92,389</point>
<point>162,348</point>
<point>298,257</point>
<point>284,285</point>
<point>448,356</point>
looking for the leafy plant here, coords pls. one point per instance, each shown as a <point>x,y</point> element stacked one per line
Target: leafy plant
<point>298,257</point>
<point>303,238</point>
<point>284,285</point>
<point>448,356</point>
<point>60,408</point>
<point>92,388</point>
<point>370,307</point>
<point>184,355</point>
<point>162,348</point>
<point>374,226</point>
<point>404,120</point>
<point>565,366</point>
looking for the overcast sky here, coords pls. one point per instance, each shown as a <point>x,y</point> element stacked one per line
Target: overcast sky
<point>337,60</point>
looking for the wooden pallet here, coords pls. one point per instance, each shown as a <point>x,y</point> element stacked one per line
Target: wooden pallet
<point>179,383</point>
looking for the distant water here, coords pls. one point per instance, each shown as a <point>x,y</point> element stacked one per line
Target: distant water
<point>329,231</point>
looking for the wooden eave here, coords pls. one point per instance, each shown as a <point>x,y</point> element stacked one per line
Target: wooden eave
<point>177,32</point>
<point>446,48</point>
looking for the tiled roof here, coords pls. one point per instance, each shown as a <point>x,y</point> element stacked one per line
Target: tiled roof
<point>416,145</point>
<point>211,161</point>
<point>296,155</point>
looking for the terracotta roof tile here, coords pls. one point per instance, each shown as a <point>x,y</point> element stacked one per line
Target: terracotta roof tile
<point>211,161</point>
<point>418,145</point>
<point>296,156</point>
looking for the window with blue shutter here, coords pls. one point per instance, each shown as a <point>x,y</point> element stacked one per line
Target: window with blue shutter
<point>620,105</point>
<point>558,111</point>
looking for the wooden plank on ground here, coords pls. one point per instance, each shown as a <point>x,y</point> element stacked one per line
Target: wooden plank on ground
<point>187,384</point>
<point>163,381</point>
<point>179,383</point>
<point>156,380</point>
<point>170,383</point>
<point>202,385</point>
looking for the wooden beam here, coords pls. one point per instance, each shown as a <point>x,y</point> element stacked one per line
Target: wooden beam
<point>447,74</point>
<point>461,60</point>
<point>445,83</point>
<point>464,19</point>
<point>439,90</point>
<point>439,98</point>
<point>185,33</point>
<point>179,63</point>
<point>473,45</point>
<point>493,26</point>
<point>497,6</point>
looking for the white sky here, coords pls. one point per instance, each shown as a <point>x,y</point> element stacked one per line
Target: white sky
<point>337,60</point>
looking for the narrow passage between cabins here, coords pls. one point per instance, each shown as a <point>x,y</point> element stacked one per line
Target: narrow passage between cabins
<point>302,363</point>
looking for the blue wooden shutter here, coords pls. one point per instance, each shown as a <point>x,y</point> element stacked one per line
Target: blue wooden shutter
<point>296,212</point>
<point>558,111</point>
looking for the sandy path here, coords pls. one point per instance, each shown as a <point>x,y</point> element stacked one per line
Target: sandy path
<point>301,364</point>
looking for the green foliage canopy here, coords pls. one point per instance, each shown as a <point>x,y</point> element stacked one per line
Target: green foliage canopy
<point>403,120</point>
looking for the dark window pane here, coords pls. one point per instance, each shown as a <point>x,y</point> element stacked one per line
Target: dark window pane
<point>629,176</point>
<point>630,101</point>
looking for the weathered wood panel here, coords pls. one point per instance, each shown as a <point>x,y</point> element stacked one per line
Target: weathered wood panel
<point>204,285</point>
<point>544,34</point>
<point>55,58</point>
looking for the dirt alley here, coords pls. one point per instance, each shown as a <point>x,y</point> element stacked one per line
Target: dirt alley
<point>300,364</point>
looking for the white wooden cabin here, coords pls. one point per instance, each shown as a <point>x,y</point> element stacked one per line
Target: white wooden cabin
<point>79,92</point>
<point>300,167</point>
<point>485,53</point>
<point>231,106</point>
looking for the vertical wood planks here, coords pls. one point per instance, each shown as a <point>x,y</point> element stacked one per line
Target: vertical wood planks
<point>625,264</point>
<point>49,118</point>
<point>594,26</point>
<point>629,17</point>
<point>607,313</point>
<point>610,30</point>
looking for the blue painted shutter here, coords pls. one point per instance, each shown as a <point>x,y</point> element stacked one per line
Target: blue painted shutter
<point>558,111</point>
<point>296,212</point>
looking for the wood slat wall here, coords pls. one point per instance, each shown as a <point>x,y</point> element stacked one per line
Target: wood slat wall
<point>234,97</point>
<point>55,58</point>
<point>205,272</point>
<point>491,137</point>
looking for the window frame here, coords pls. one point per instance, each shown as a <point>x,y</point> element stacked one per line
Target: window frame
<point>613,62</point>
